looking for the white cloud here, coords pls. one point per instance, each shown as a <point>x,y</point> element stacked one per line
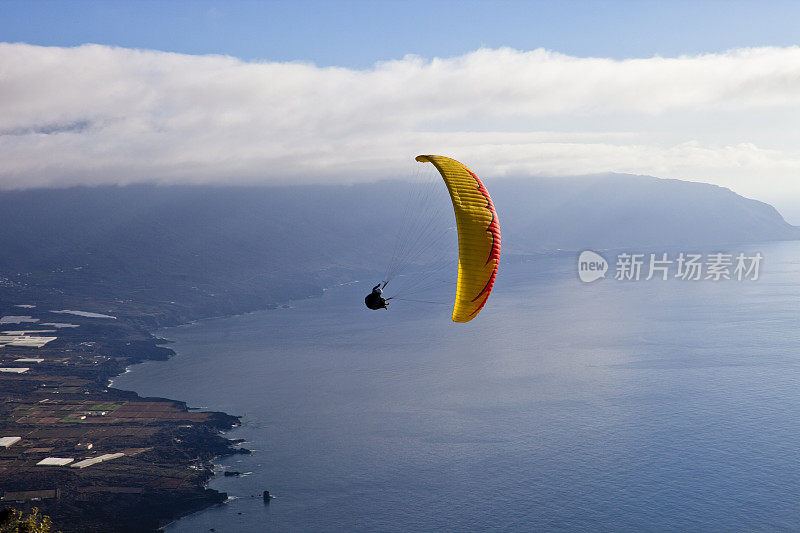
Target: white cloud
<point>96,114</point>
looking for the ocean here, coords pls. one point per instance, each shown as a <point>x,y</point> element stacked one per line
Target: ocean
<point>565,406</point>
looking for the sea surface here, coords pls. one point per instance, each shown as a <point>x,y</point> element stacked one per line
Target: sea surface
<point>611,406</point>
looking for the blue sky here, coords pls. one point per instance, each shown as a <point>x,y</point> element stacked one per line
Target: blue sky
<point>356,34</point>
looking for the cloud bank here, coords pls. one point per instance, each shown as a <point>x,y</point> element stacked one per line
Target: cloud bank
<point>97,114</point>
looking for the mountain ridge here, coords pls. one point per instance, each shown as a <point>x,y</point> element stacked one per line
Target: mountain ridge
<point>233,249</point>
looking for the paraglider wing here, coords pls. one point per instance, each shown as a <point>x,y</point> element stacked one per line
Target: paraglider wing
<point>478,236</point>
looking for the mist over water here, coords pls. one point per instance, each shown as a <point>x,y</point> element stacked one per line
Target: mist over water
<point>626,406</point>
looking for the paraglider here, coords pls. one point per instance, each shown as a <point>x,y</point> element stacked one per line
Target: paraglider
<point>478,239</point>
<point>375,300</point>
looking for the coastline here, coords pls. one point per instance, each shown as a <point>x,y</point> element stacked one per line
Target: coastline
<point>162,451</point>
<point>233,445</point>
<point>168,450</point>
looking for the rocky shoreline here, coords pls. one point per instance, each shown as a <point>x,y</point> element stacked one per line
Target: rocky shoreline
<point>148,459</point>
